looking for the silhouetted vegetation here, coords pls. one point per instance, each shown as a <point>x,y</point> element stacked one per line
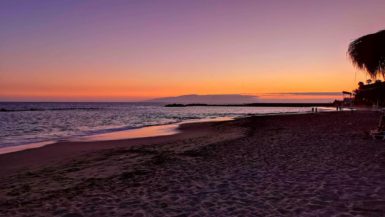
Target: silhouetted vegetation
<point>368,53</point>
<point>370,94</point>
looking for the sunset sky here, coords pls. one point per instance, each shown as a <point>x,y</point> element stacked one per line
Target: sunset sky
<point>73,50</point>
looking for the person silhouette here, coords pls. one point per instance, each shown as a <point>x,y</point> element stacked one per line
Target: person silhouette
<point>381,124</point>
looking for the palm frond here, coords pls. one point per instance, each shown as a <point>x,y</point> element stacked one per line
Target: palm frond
<point>368,53</point>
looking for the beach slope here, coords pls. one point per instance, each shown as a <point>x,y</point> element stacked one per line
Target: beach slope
<point>320,164</point>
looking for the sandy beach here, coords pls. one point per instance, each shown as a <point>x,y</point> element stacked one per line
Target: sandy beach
<point>322,164</point>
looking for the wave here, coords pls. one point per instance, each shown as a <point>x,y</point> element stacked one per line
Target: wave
<point>45,109</point>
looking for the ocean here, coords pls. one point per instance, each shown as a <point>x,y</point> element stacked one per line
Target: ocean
<point>31,122</point>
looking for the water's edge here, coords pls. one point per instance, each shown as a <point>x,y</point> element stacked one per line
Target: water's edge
<point>142,132</point>
<point>130,133</point>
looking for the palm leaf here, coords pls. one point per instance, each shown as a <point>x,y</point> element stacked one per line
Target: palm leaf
<point>368,53</point>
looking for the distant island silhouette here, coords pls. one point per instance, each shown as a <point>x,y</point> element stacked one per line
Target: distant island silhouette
<point>208,99</point>
<point>274,99</point>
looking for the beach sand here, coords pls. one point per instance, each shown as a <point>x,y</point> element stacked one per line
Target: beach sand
<point>322,164</point>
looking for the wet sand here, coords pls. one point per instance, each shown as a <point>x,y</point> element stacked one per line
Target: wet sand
<point>322,164</point>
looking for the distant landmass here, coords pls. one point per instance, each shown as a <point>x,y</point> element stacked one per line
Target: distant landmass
<point>208,99</point>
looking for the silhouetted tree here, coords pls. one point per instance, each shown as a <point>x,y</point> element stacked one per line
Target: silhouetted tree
<point>360,84</point>
<point>370,94</point>
<point>368,53</point>
<point>369,81</point>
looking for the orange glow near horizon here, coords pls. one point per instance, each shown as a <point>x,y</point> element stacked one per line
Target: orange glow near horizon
<point>145,89</point>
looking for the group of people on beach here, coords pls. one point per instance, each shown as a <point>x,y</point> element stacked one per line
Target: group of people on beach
<point>315,109</point>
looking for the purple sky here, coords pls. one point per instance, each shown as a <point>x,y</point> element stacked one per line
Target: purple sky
<point>71,49</point>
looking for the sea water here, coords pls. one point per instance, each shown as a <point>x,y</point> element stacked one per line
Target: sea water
<point>26,122</point>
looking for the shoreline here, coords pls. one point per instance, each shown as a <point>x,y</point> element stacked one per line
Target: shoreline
<point>145,132</point>
<point>40,154</point>
<point>72,148</point>
<point>141,132</point>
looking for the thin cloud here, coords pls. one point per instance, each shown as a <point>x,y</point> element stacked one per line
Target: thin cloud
<point>306,93</point>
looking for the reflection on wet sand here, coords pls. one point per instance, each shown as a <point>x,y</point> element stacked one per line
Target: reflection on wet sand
<point>161,130</point>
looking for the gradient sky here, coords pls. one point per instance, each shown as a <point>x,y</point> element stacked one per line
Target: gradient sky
<point>131,50</point>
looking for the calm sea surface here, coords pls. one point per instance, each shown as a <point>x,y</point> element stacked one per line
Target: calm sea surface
<point>24,123</point>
